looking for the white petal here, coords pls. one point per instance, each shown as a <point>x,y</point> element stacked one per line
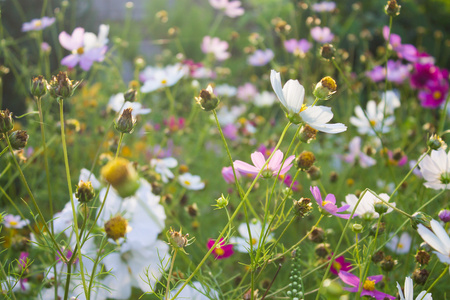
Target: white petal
<point>275,80</point>
<point>294,93</point>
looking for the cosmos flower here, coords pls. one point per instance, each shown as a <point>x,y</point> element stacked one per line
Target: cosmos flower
<point>221,250</point>
<point>228,175</point>
<point>434,95</point>
<point>246,92</point>
<point>191,182</point>
<point>37,24</point>
<point>243,243</point>
<point>229,115</point>
<point>264,98</point>
<point>356,155</point>
<point>11,221</point>
<point>325,6</point>
<point>292,95</point>
<point>405,51</point>
<point>409,291</point>
<point>194,291</point>
<point>260,57</point>
<point>376,74</point>
<point>435,169</point>
<point>297,47</point>
<point>368,287</point>
<point>86,47</point>
<point>155,77</point>
<point>375,117</point>
<point>329,205</point>
<point>438,239</point>
<point>232,9</point>
<point>162,167</point>
<point>397,72</point>
<point>339,264</point>
<point>400,245</point>
<point>271,169</point>
<point>225,90</point>
<point>366,207</point>
<point>392,100</point>
<point>215,46</point>
<point>322,35</point>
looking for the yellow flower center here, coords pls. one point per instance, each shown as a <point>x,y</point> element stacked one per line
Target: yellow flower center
<point>304,107</point>
<point>369,285</point>
<point>325,202</point>
<point>437,95</point>
<point>337,266</point>
<point>219,251</point>
<point>400,246</point>
<point>13,223</point>
<point>80,50</point>
<point>186,182</point>
<point>164,81</point>
<point>37,23</point>
<point>254,241</point>
<point>373,122</point>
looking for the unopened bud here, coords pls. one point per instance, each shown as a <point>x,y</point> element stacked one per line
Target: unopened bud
<point>357,228</point>
<point>192,210</point>
<point>176,239</point>
<point>380,207</point>
<point>375,227</point>
<point>130,95</point>
<point>325,88</point>
<point>314,173</point>
<point>61,86</point>
<point>116,227</point>
<point>378,256</point>
<point>435,142</point>
<point>388,263</point>
<point>85,191</point>
<point>444,215</point>
<point>6,121</point>
<point>39,86</point>
<point>420,218</point>
<point>207,100</point>
<point>317,235</point>
<point>126,122</point>
<point>422,257</point>
<point>420,276</point>
<point>322,250</point>
<point>305,160</point>
<point>18,139</point>
<point>222,202</point>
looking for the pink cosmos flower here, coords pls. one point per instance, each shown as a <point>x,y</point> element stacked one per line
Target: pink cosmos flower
<point>397,72</point>
<point>260,57</point>
<point>37,24</point>
<point>228,175</point>
<point>339,264</point>
<point>297,47</point>
<point>232,9</point>
<point>246,92</point>
<point>329,205</point>
<point>368,287</point>
<point>376,74</point>
<point>215,46</point>
<point>230,131</point>
<point>405,51</point>
<point>322,35</point>
<point>356,155</point>
<point>221,250</point>
<point>433,95</point>
<point>272,168</point>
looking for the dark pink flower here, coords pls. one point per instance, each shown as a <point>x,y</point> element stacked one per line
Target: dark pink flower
<point>287,180</point>
<point>424,74</point>
<point>329,205</point>
<point>174,124</point>
<point>221,250</point>
<point>339,264</point>
<point>368,287</point>
<point>433,95</point>
<point>23,258</point>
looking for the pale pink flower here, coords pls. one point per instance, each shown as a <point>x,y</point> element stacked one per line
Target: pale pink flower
<point>232,9</point>
<point>271,169</point>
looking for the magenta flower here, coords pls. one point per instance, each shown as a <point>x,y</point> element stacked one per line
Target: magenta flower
<point>215,46</point>
<point>433,95</point>
<point>339,264</point>
<point>323,6</point>
<point>376,74</point>
<point>425,74</point>
<point>221,250</point>
<point>230,131</point>
<point>287,180</point>
<point>173,124</point>
<point>297,47</point>
<point>399,162</point>
<point>23,258</point>
<point>37,24</point>
<point>368,287</point>
<point>322,35</point>
<point>260,58</point>
<point>228,175</point>
<point>272,168</point>
<point>83,53</point>
<point>232,9</point>
<point>405,51</point>
<point>329,205</point>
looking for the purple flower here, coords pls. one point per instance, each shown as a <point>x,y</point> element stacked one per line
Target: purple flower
<point>215,46</point>
<point>45,47</point>
<point>230,131</point>
<point>287,180</point>
<point>37,24</point>
<point>356,154</point>
<point>322,35</point>
<point>246,92</point>
<point>23,259</point>
<point>271,169</point>
<point>228,175</point>
<point>221,250</point>
<point>329,205</point>
<point>260,57</point>
<point>297,47</point>
<point>339,264</point>
<point>232,9</point>
<point>405,51</point>
<point>444,215</point>
<point>397,72</point>
<point>323,6</point>
<point>368,287</point>
<point>376,74</point>
<point>85,50</point>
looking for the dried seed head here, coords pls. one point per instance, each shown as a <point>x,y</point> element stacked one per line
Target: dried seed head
<point>39,86</point>
<point>85,191</point>
<point>18,139</point>
<point>126,122</point>
<point>6,121</point>
<point>116,227</point>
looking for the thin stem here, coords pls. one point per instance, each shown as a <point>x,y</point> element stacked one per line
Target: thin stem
<point>3,151</point>
<point>386,71</point>
<point>72,202</point>
<point>97,259</point>
<point>299,242</point>
<point>172,263</point>
<point>437,279</point>
<point>171,100</point>
<point>10,288</point>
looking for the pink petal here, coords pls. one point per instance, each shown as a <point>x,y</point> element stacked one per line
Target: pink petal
<point>70,60</point>
<point>349,278</point>
<point>245,167</point>
<point>258,159</point>
<point>275,161</point>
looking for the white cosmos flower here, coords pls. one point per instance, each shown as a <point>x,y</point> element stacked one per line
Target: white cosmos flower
<point>195,292</point>
<point>225,90</point>
<point>229,115</point>
<point>366,207</point>
<point>392,100</point>
<point>243,243</point>
<point>292,95</point>
<point>118,104</point>
<point>437,239</point>
<point>162,167</point>
<point>191,182</point>
<point>155,77</point>
<point>435,169</point>
<point>375,116</point>
<point>264,99</point>
<point>409,291</point>
<point>400,245</point>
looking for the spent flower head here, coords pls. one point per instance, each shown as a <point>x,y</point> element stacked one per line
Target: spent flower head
<point>6,121</point>
<point>126,122</point>
<point>39,86</point>
<point>206,99</point>
<point>85,191</point>
<point>61,86</point>
<point>18,139</point>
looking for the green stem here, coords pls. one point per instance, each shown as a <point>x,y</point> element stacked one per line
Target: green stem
<point>299,242</point>
<point>171,100</point>
<point>172,263</point>
<point>10,288</point>
<point>72,202</point>
<point>437,279</point>
<point>3,151</point>
<point>386,71</point>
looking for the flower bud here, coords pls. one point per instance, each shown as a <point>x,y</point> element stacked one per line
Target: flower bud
<point>420,218</point>
<point>378,256</point>
<point>61,86</point>
<point>307,134</point>
<point>126,122</point>
<point>327,51</point>
<point>85,191</point>
<point>444,215</point>
<point>387,264</point>
<point>357,228</point>
<point>38,86</point>
<point>116,227</point>
<point>317,235</point>
<point>420,276</point>
<point>130,95</point>
<point>325,88</point>
<point>221,202</point>
<point>314,173</point>
<point>122,176</point>
<point>381,229</point>
<point>305,160</point>
<point>435,142</point>
<point>6,121</point>
<point>177,240</point>
<point>380,207</point>
<point>206,99</point>
<point>192,210</point>
<point>322,250</point>
<point>392,9</point>
<point>333,177</point>
<point>302,207</point>
<point>18,139</point>
<point>422,257</point>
